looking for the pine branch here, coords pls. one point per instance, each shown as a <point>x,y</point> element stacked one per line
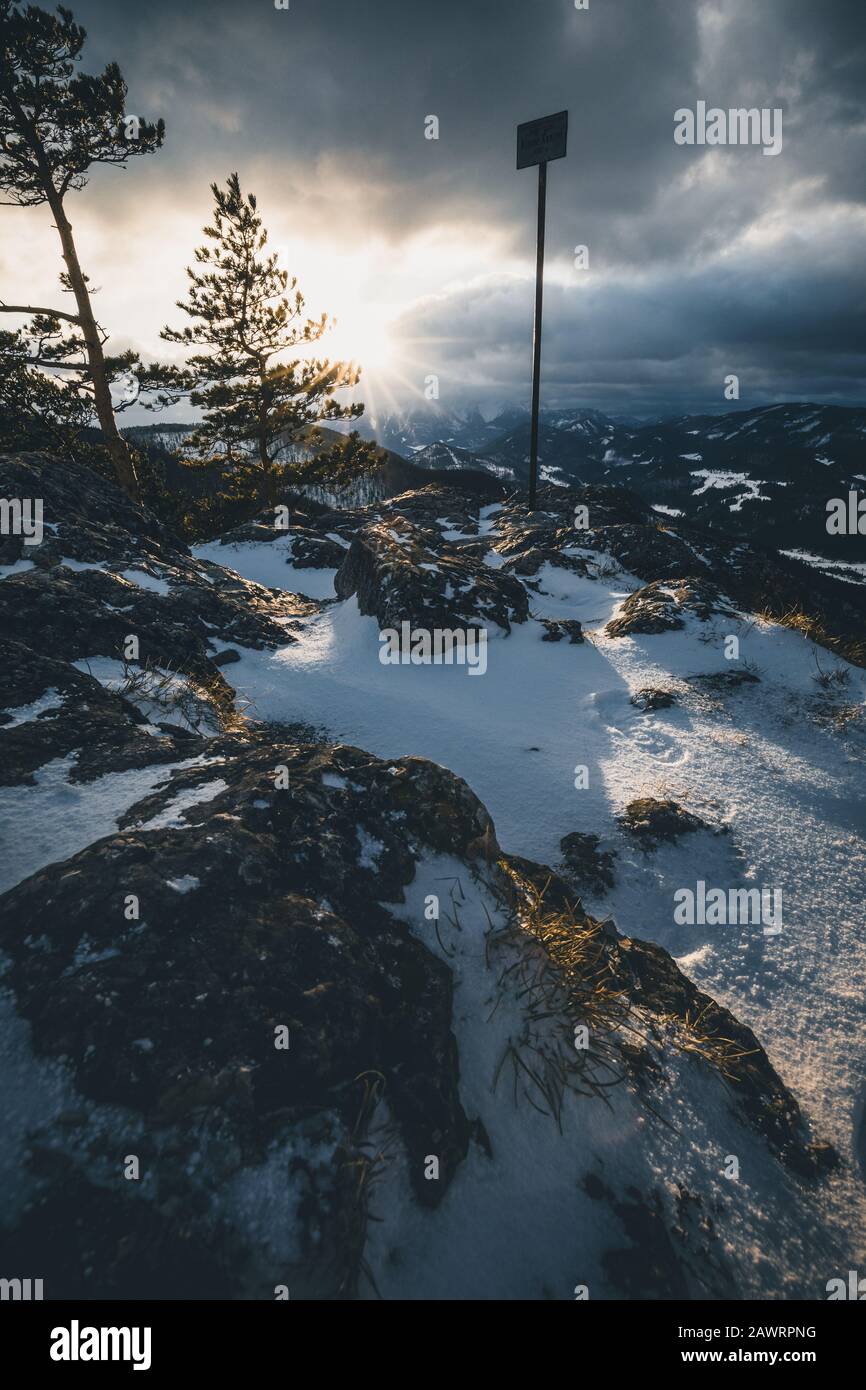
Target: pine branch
<point>47,313</point>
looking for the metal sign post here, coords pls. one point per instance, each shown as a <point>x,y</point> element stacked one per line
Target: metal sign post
<point>537,143</point>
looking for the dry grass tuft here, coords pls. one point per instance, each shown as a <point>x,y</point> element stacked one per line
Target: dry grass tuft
<point>851,649</point>
<point>570,981</point>
<point>200,704</point>
<point>367,1161</point>
<point>688,1034</point>
<point>564,984</point>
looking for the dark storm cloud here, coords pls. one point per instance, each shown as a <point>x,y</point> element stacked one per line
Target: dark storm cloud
<point>666,341</point>
<point>242,85</point>
<point>235,80</point>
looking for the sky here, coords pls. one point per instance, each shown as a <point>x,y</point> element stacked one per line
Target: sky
<point>703,261</point>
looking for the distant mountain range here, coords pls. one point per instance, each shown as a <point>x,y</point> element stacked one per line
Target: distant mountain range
<point>762,475</point>
<point>406,432</point>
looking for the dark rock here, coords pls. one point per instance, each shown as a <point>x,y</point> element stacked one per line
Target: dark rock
<point>590,866</point>
<point>129,576</point>
<point>104,730</point>
<point>316,552</point>
<point>660,606</point>
<point>545,536</point>
<point>400,573</point>
<point>259,908</point>
<point>725,680</point>
<point>653,821</point>
<point>557,628</point>
<point>650,698</point>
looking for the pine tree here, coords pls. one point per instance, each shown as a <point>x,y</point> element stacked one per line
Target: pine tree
<point>38,411</point>
<point>55,123</point>
<point>246,315</point>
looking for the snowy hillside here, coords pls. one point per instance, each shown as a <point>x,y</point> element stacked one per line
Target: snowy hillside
<point>518,1064</point>
<point>448,457</point>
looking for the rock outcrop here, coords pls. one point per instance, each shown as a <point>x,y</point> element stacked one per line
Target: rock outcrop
<point>662,606</point>
<point>402,573</point>
<point>652,820</point>
<point>224,1003</point>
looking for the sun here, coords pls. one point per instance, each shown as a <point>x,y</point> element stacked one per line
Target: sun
<point>354,289</point>
<point>361,333</point>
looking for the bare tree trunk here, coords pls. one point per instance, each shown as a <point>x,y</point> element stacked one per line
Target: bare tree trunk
<point>117,446</point>
<point>269,486</point>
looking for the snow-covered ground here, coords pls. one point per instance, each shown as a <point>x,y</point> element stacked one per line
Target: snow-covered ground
<point>56,816</point>
<point>851,572</point>
<point>776,770</point>
<point>764,764</point>
<point>530,1193</point>
<point>724,480</point>
<point>269,564</point>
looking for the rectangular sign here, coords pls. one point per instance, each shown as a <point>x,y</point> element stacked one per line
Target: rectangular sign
<point>543,140</point>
